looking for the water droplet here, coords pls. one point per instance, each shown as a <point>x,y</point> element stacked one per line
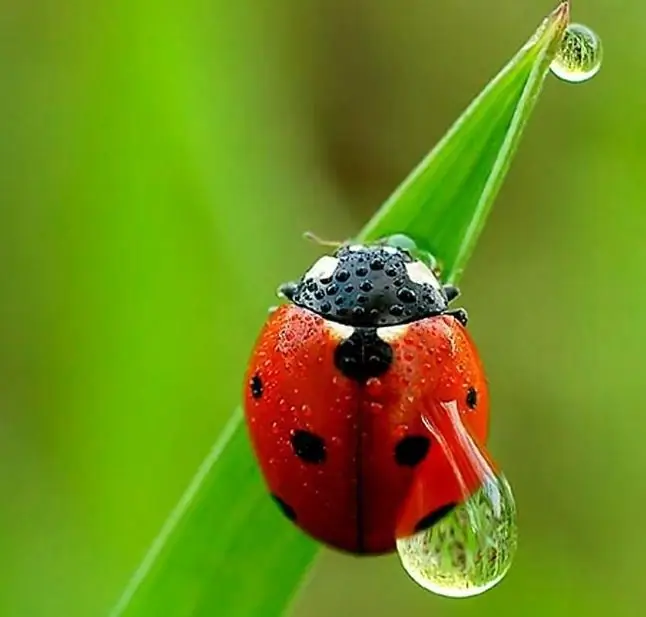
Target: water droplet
<point>470,549</point>
<point>401,430</point>
<point>401,241</point>
<point>580,55</point>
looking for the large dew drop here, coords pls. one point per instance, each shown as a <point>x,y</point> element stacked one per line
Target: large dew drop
<point>470,550</point>
<point>580,55</point>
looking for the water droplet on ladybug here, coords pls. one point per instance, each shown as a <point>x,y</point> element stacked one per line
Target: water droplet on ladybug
<point>580,55</point>
<point>470,544</point>
<point>406,295</point>
<point>401,430</point>
<point>342,276</point>
<point>374,387</point>
<point>468,551</point>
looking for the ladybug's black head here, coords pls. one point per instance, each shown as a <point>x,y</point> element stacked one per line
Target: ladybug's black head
<point>370,286</point>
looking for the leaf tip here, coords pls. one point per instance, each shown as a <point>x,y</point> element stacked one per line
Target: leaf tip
<point>561,13</point>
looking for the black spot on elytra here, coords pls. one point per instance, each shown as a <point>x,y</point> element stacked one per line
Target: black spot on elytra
<point>434,517</point>
<point>472,398</point>
<point>286,509</point>
<point>363,355</point>
<point>309,447</point>
<point>256,386</point>
<point>411,450</point>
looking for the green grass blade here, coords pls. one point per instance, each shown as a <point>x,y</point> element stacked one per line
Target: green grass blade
<point>444,203</point>
<point>225,550</point>
<point>220,545</point>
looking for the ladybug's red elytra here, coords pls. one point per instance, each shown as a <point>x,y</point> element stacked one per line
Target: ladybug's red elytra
<point>363,398</point>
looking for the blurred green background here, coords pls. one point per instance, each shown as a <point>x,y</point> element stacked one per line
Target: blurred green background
<point>159,163</point>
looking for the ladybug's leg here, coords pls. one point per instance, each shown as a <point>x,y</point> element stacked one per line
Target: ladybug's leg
<point>451,292</point>
<point>460,315</point>
<point>287,290</point>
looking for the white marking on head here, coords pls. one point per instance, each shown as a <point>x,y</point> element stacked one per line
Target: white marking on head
<point>390,249</point>
<point>419,272</point>
<point>322,268</point>
<point>392,333</point>
<point>339,330</point>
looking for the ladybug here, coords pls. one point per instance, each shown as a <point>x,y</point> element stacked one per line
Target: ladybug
<point>366,401</point>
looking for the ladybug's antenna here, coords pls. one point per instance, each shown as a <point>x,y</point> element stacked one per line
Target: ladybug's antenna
<point>312,237</point>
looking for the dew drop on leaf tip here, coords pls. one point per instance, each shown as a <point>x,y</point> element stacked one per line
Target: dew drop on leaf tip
<point>580,55</point>
<point>471,549</point>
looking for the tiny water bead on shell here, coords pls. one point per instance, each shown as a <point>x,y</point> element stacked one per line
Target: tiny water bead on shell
<point>580,56</point>
<point>468,551</point>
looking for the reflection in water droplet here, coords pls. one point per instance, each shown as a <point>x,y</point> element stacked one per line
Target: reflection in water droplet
<point>580,56</point>
<point>471,549</point>
<point>468,551</point>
